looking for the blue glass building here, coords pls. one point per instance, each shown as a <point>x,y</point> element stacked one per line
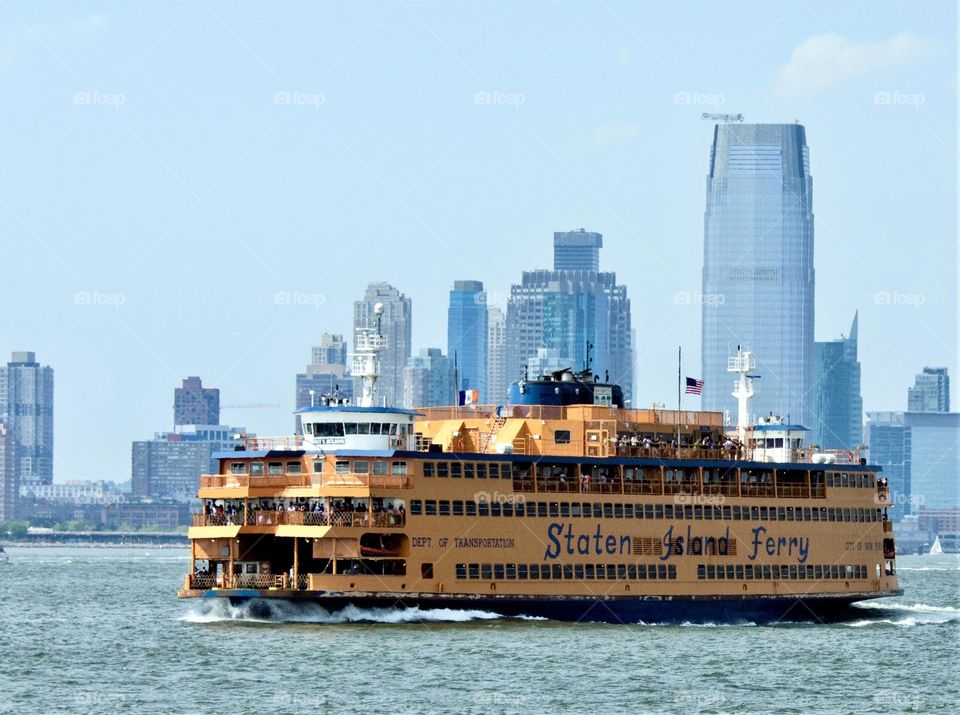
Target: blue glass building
<point>467,337</point>
<point>758,277</point>
<point>838,405</point>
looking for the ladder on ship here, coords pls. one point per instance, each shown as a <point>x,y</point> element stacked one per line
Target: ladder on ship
<point>487,437</point>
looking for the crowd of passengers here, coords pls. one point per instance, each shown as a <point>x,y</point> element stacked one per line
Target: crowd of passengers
<point>341,511</point>
<point>634,445</point>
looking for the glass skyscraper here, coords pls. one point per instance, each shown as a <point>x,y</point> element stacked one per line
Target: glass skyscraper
<point>396,325</point>
<point>26,398</point>
<point>467,335</point>
<point>838,405</point>
<point>930,392</point>
<point>758,278</point>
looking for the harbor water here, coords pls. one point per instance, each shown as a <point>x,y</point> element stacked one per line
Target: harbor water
<point>87,630</point>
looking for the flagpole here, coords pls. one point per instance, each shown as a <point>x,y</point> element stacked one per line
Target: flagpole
<point>679,368</point>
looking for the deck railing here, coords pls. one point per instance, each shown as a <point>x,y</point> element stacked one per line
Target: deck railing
<point>235,481</point>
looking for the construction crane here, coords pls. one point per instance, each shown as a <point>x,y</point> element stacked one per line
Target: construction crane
<point>722,117</point>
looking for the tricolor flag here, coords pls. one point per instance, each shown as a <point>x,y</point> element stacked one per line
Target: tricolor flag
<point>694,386</point>
<point>469,397</point>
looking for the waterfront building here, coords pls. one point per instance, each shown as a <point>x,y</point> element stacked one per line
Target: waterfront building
<point>564,310</point>
<point>428,380</point>
<point>497,383</point>
<point>838,406</point>
<point>396,326</point>
<point>930,392</point>
<point>467,337</point>
<point>194,404</point>
<point>28,410</point>
<point>758,275</point>
<point>9,486</point>
<point>170,464</point>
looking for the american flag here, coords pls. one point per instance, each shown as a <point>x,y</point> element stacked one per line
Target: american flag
<point>694,386</point>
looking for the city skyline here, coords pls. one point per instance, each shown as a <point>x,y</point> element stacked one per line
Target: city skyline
<point>417,181</point>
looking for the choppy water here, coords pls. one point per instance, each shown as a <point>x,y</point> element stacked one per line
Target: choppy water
<point>101,630</point>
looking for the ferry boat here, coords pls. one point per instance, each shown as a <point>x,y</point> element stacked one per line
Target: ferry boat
<point>564,503</point>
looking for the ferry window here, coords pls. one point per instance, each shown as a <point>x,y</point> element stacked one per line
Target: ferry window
<point>361,466</point>
<point>586,510</point>
<point>512,571</point>
<point>554,509</point>
<point>430,507</point>
<point>256,469</point>
<point>494,471</point>
<point>426,570</point>
<point>468,470</point>
<point>711,571</point>
<point>589,572</point>
<point>773,513</point>
<point>351,427</point>
<point>561,436</point>
<point>380,467</point>
<point>318,466</point>
<point>495,508</point>
<point>481,471</point>
<point>844,480</point>
<point>846,515</point>
<point>598,511</point>
<point>556,571</point>
<point>541,509</point>
<point>726,513</point>
<point>628,511</point>
<point>398,468</point>
<point>564,509</point>
<point>662,572</point>
<point>688,511</point>
<point>818,572</point>
<point>577,572</point>
<point>471,508</point>
<point>486,571</point>
<point>781,513</point>
<point>498,572</point>
<point>698,512</point>
<point>534,572</point>
<point>568,572</point>
<point>293,467</point>
<point>456,470</point>
<point>522,572</point>
<point>739,572</point>
<point>443,469</point>
<point>763,513</point>
<point>274,468</point>
<point>428,469</point>
<point>829,479</point>
<point>754,512</point>
<point>668,511</point>
<point>474,570</point>
<point>575,509</point>
<point>444,507</point>
<point>483,509</point>
<point>416,507</point>
<point>461,571</point>
<point>671,571</point>
<point>632,572</point>
<point>457,508</point>
<point>642,572</point>
<point>364,428</point>
<point>518,509</point>
<point>658,509</point>
<point>238,468</point>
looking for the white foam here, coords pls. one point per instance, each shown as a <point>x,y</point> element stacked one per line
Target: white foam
<point>279,611</point>
<point>914,614</point>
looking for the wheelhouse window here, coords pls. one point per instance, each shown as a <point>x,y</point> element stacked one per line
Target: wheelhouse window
<point>328,429</point>
<point>361,466</point>
<point>293,467</point>
<point>342,466</point>
<point>238,468</point>
<point>379,467</point>
<point>256,469</point>
<point>398,468</point>
<point>561,436</point>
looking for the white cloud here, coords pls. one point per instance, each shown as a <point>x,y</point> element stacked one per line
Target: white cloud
<point>614,133</point>
<point>824,61</point>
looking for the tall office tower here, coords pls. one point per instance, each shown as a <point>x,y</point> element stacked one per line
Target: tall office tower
<point>758,277</point>
<point>194,404</point>
<point>332,352</point>
<point>467,335</point>
<point>396,324</point>
<point>497,383</point>
<point>930,392</point>
<point>9,486</point>
<point>428,380</point>
<point>888,438</point>
<point>838,406</point>
<point>327,374</point>
<point>563,310</point>
<point>29,416</point>
<point>576,250</point>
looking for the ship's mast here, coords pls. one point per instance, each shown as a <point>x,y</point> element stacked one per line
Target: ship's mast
<point>366,358</point>
<point>742,364</point>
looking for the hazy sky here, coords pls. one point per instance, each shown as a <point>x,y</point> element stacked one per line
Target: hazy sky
<point>170,168</point>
